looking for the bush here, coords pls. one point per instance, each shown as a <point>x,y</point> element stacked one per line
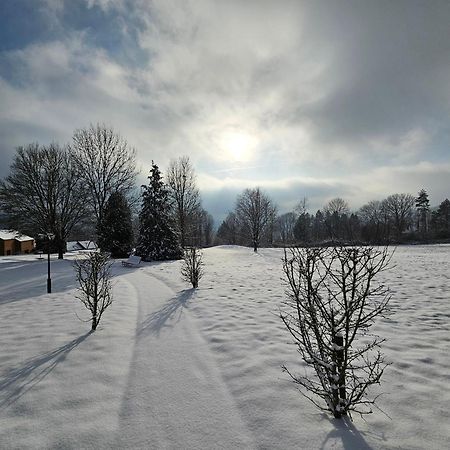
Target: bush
<point>94,276</point>
<point>192,268</point>
<point>332,301</point>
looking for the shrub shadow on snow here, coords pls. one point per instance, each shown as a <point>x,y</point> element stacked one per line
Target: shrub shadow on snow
<point>167,316</point>
<point>345,432</point>
<point>17,381</point>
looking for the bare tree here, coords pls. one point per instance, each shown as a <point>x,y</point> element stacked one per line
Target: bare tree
<point>302,206</point>
<point>332,301</point>
<point>255,212</point>
<point>228,232</point>
<point>337,206</point>
<point>192,268</point>
<point>106,164</point>
<point>399,208</point>
<point>95,290</point>
<point>203,233</point>
<point>285,226</point>
<point>43,191</point>
<point>374,220</point>
<point>185,197</point>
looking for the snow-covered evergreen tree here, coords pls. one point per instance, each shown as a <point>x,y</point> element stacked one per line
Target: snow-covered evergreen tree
<point>115,230</point>
<point>157,239</point>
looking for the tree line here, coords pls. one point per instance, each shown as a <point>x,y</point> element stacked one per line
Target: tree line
<point>87,189</point>
<point>399,218</point>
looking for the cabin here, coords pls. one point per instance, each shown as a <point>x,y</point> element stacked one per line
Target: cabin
<point>14,243</point>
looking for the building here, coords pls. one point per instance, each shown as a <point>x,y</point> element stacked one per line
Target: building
<point>14,243</point>
<point>74,246</point>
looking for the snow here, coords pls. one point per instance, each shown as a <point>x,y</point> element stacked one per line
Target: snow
<point>7,235</point>
<point>172,367</point>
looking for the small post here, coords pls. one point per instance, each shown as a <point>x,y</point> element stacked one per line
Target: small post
<point>49,280</point>
<point>48,237</point>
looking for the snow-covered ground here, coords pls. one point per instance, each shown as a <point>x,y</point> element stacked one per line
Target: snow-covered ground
<point>170,367</point>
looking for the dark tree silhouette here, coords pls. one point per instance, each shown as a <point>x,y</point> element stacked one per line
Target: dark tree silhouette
<point>255,212</point>
<point>399,209</point>
<point>423,210</point>
<point>115,231</point>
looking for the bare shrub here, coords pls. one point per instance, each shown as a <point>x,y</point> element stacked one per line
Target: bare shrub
<point>192,268</point>
<point>94,276</point>
<point>332,301</point>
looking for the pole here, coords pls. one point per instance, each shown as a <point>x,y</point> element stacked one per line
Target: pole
<point>49,280</point>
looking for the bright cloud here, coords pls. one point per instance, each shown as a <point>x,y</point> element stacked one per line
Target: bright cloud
<point>301,98</point>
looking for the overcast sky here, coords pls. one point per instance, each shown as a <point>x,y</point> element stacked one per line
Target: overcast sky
<point>316,98</point>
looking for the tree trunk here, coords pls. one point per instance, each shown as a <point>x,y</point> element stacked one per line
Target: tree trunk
<point>341,393</point>
<point>94,312</point>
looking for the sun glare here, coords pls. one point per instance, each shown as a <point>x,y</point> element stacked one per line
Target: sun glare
<point>238,146</point>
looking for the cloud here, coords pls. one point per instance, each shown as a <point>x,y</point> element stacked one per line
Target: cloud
<point>324,99</point>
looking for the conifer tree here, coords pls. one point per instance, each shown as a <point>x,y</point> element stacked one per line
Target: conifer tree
<point>423,208</point>
<point>157,239</point>
<point>115,230</point>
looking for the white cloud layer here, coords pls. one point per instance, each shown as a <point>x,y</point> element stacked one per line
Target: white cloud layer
<point>301,98</point>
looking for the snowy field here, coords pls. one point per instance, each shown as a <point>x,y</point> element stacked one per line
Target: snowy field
<point>170,367</point>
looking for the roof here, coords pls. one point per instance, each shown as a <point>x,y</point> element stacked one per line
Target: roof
<point>88,245</point>
<point>7,235</point>
<point>81,245</point>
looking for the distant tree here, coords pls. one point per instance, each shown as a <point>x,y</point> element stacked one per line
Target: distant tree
<point>202,229</point>
<point>441,220</point>
<point>335,213</point>
<point>352,227</point>
<point>332,303</point>
<point>284,226</point>
<point>228,232</point>
<point>399,209</point>
<point>95,291</point>
<point>43,192</point>
<point>303,228</point>
<point>192,267</point>
<point>423,210</point>
<point>157,240</point>
<point>106,164</point>
<point>255,212</point>
<point>318,226</point>
<point>185,198</point>
<point>337,205</point>
<point>302,206</point>
<point>373,219</point>
<point>115,231</point>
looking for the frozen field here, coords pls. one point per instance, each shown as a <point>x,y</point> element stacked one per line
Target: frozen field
<point>170,367</point>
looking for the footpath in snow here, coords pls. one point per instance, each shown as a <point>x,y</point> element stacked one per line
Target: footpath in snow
<point>175,396</point>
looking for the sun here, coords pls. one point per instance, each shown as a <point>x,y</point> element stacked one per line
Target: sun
<point>238,146</point>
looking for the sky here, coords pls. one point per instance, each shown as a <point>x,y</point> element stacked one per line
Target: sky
<point>307,99</point>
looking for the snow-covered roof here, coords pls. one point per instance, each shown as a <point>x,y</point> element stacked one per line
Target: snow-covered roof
<point>7,235</point>
<point>81,245</point>
<point>74,245</point>
<point>88,245</point>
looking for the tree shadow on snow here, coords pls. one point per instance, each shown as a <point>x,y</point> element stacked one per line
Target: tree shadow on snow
<point>17,381</point>
<point>167,316</point>
<point>346,432</point>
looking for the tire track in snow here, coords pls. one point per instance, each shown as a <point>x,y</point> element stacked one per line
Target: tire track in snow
<point>175,397</point>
